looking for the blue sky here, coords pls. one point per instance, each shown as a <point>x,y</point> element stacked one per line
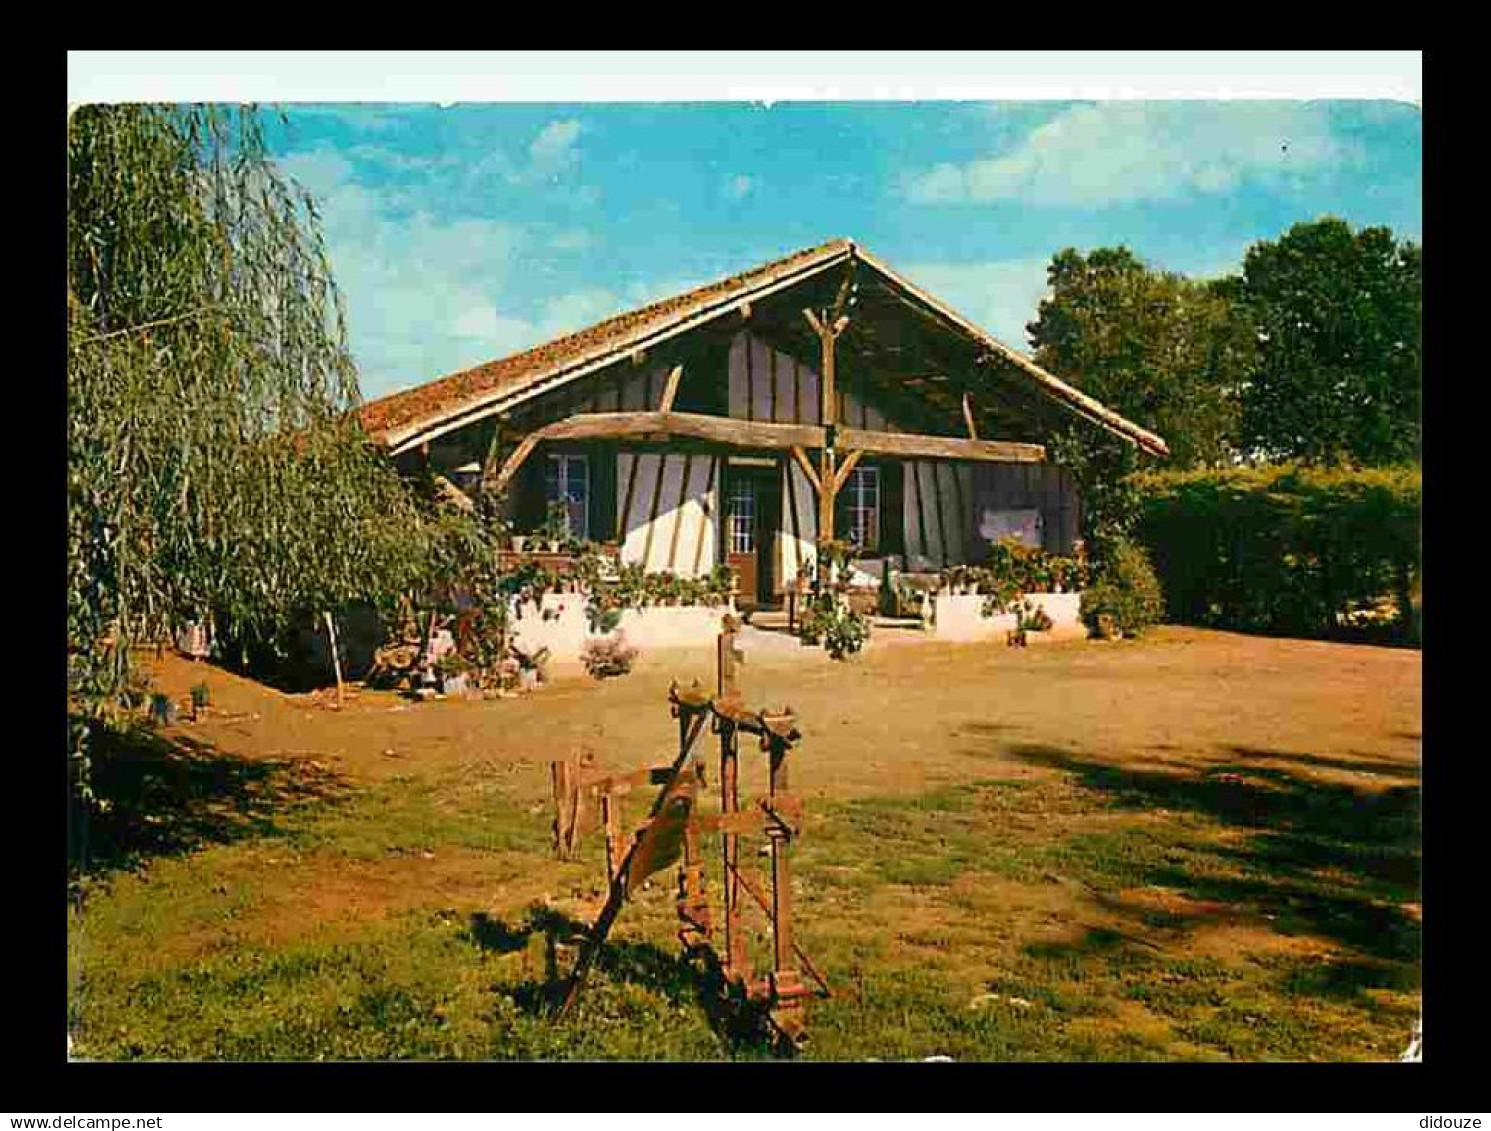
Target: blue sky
<point>464,233</point>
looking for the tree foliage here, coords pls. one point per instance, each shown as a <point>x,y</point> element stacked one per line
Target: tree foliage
<point>214,467</point>
<point>1169,353</point>
<point>1339,316</point>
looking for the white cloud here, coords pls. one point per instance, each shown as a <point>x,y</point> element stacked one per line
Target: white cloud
<point>738,187</point>
<point>1125,151</point>
<point>1000,295</point>
<point>422,292</point>
<point>570,239</point>
<point>553,153</point>
<point>554,150</point>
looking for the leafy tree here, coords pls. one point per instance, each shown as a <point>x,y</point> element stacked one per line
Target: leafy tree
<point>215,469</point>
<point>1339,318</point>
<point>1167,352</point>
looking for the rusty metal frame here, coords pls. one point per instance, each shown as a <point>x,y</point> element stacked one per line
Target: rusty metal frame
<point>585,797</point>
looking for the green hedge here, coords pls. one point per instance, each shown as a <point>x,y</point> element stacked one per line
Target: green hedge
<point>1286,548</point>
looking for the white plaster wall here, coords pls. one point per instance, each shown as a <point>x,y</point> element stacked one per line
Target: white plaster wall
<point>634,524</point>
<point>960,617</point>
<point>686,490</point>
<point>800,547</point>
<point>565,630</point>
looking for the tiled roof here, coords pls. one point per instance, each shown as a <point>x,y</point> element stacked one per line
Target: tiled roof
<point>449,402</point>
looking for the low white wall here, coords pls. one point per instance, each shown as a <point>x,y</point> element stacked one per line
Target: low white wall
<point>564,630</point>
<point>960,617</point>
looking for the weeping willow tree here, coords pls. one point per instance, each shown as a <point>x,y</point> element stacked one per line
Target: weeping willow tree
<point>215,470</point>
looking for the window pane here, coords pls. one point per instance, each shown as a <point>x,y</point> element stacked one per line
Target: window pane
<point>566,480</point>
<point>742,517</point>
<point>864,506</point>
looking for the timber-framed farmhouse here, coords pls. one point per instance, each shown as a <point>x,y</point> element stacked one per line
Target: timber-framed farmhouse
<point>819,395</point>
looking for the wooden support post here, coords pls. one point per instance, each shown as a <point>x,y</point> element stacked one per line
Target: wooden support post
<point>800,457</point>
<point>786,986</point>
<point>828,327</point>
<point>842,475</point>
<point>492,463</point>
<point>515,461</point>
<point>830,422</point>
<point>670,390</point>
<point>569,806</point>
<point>968,416</point>
<point>693,903</point>
<point>727,656</point>
<point>336,658</point>
<point>615,846</point>
<point>735,948</point>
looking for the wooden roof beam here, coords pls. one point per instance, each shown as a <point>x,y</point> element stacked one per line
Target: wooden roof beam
<point>733,433</point>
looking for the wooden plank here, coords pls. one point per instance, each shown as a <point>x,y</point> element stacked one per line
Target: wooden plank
<point>919,510</point>
<point>771,375</point>
<point>968,416</point>
<point>750,348</point>
<point>670,390</point>
<point>965,512</point>
<point>626,505</point>
<point>933,469</point>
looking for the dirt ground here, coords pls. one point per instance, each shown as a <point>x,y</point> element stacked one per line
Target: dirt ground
<point>896,718</point>
<point>1133,837</point>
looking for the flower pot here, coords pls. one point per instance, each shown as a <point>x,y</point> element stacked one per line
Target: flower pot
<point>519,542</point>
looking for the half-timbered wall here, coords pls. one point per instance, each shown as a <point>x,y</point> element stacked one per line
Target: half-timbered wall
<point>667,510</point>
<point>618,388</point>
<point>938,511</point>
<point>1042,487</point>
<point>766,384</point>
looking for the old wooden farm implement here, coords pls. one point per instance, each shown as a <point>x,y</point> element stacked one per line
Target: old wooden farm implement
<point>586,797</point>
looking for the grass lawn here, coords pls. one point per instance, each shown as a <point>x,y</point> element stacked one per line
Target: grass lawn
<point>1198,846</point>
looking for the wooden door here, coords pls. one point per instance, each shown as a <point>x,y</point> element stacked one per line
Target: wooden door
<point>752,519</point>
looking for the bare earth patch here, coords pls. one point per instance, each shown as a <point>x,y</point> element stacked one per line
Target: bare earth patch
<point>1195,846</point>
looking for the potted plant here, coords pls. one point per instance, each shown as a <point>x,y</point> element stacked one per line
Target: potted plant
<point>520,542</point>
<point>556,526</point>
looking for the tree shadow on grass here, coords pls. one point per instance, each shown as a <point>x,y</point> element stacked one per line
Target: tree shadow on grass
<point>161,794</point>
<point>691,977</point>
<point>1323,858</point>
